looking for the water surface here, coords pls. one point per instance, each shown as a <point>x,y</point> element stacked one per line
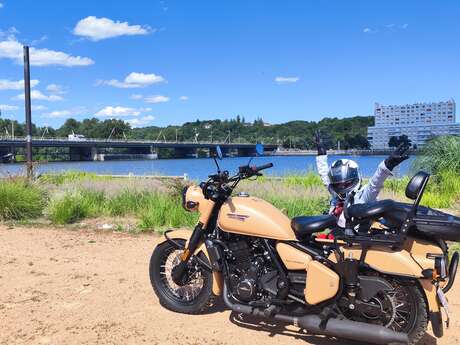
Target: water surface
<point>199,168</point>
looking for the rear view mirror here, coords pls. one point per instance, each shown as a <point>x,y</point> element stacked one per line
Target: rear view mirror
<point>260,149</point>
<point>219,152</point>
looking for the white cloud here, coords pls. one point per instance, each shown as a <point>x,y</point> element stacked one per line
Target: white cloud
<point>38,95</point>
<point>118,111</point>
<point>6,107</point>
<point>156,99</point>
<point>12,49</point>
<point>55,89</point>
<point>6,84</point>
<point>286,80</point>
<point>136,97</point>
<point>138,122</point>
<point>39,107</point>
<point>97,29</point>
<point>183,98</point>
<point>134,80</point>
<point>57,114</point>
<point>386,28</point>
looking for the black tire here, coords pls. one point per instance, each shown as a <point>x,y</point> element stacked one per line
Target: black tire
<point>420,324</point>
<point>165,295</point>
<point>412,319</point>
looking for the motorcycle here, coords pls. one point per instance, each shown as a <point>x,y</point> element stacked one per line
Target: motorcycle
<point>379,280</point>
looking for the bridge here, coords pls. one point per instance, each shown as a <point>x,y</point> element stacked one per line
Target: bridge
<point>101,149</point>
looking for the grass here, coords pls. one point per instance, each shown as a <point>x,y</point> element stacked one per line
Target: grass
<point>439,155</point>
<point>20,200</point>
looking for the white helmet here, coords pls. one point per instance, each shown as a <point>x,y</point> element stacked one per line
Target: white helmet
<point>344,177</point>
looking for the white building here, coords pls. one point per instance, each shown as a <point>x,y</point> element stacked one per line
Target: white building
<point>420,122</point>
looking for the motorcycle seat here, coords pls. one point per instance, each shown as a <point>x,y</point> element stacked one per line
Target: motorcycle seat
<point>305,226</point>
<point>371,210</point>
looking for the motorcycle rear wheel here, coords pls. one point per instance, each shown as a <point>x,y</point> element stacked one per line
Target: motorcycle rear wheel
<point>406,309</point>
<point>193,297</point>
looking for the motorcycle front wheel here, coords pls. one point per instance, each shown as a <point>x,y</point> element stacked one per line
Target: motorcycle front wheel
<point>190,298</point>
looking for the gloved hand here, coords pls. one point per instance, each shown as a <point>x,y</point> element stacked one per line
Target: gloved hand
<point>398,156</point>
<point>319,144</point>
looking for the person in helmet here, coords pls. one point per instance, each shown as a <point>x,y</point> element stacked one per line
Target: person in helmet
<point>343,178</point>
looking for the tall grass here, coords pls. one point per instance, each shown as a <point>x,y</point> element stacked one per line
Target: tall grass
<point>439,155</point>
<point>20,200</point>
<point>307,180</point>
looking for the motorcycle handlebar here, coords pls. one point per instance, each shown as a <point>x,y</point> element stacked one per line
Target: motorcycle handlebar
<point>265,166</point>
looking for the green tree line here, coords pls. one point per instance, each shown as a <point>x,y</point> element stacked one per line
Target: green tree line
<point>347,132</point>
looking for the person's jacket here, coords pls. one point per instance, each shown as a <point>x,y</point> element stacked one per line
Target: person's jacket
<point>366,193</point>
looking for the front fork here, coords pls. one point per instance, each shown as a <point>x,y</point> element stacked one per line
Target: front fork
<point>179,273</point>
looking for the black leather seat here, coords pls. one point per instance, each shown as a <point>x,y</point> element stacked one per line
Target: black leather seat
<point>305,226</point>
<point>371,210</point>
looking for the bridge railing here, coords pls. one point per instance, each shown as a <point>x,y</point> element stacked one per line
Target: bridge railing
<point>140,141</point>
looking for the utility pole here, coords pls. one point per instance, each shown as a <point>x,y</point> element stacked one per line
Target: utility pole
<point>176,134</point>
<point>28,112</point>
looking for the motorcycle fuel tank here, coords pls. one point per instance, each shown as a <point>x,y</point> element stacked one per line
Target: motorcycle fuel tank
<point>252,216</point>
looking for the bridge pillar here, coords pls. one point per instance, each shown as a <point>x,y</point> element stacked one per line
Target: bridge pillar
<point>185,153</point>
<point>81,153</point>
<point>246,152</point>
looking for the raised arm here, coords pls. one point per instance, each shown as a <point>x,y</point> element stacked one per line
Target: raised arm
<point>384,170</point>
<point>321,159</point>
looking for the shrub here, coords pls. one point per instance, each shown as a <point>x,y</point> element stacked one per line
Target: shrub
<point>308,180</point>
<point>162,211</point>
<point>127,202</point>
<point>67,176</point>
<point>20,200</point>
<point>440,154</point>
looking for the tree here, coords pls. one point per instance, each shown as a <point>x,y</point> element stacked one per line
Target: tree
<point>395,141</point>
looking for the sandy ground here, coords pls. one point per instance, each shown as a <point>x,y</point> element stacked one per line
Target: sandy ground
<point>87,287</point>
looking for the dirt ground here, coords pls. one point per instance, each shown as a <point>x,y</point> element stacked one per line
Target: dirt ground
<point>89,287</point>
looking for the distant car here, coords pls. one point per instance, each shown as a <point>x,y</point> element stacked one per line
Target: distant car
<point>76,137</point>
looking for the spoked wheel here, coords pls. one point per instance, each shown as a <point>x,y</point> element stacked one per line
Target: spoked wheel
<point>402,310</point>
<point>189,298</point>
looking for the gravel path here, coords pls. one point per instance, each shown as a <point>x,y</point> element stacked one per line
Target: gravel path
<point>86,287</point>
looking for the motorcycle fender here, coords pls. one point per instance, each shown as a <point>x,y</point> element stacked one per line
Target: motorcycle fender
<point>217,281</point>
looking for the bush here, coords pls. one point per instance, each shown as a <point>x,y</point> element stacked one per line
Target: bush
<point>440,154</point>
<point>162,211</point>
<point>300,207</point>
<point>20,200</point>
<point>74,206</point>
<point>308,180</point>
<point>67,176</point>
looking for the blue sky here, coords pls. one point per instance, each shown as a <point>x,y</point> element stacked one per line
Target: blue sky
<point>167,62</point>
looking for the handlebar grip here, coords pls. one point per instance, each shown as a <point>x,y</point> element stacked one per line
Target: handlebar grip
<point>265,166</point>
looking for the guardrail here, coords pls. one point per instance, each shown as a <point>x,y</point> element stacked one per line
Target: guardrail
<point>94,140</point>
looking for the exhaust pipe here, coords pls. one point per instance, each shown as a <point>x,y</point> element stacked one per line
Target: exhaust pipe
<point>346,329</point>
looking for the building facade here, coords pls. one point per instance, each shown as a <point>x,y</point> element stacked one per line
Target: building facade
<point>419,121</point>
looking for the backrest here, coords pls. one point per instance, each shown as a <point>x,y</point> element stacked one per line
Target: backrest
<point>416,185</point>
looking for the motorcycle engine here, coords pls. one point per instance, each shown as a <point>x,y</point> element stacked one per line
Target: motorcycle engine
<point>246,267</point>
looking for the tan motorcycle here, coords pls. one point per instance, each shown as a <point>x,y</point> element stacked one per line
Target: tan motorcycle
<point>379,280</point>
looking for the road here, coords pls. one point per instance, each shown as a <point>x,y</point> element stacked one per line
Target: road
<point>88,287</point>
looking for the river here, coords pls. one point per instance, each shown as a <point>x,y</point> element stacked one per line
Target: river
<point>200,168</point>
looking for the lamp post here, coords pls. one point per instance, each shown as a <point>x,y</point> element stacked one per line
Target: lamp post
<point>28,112</point>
